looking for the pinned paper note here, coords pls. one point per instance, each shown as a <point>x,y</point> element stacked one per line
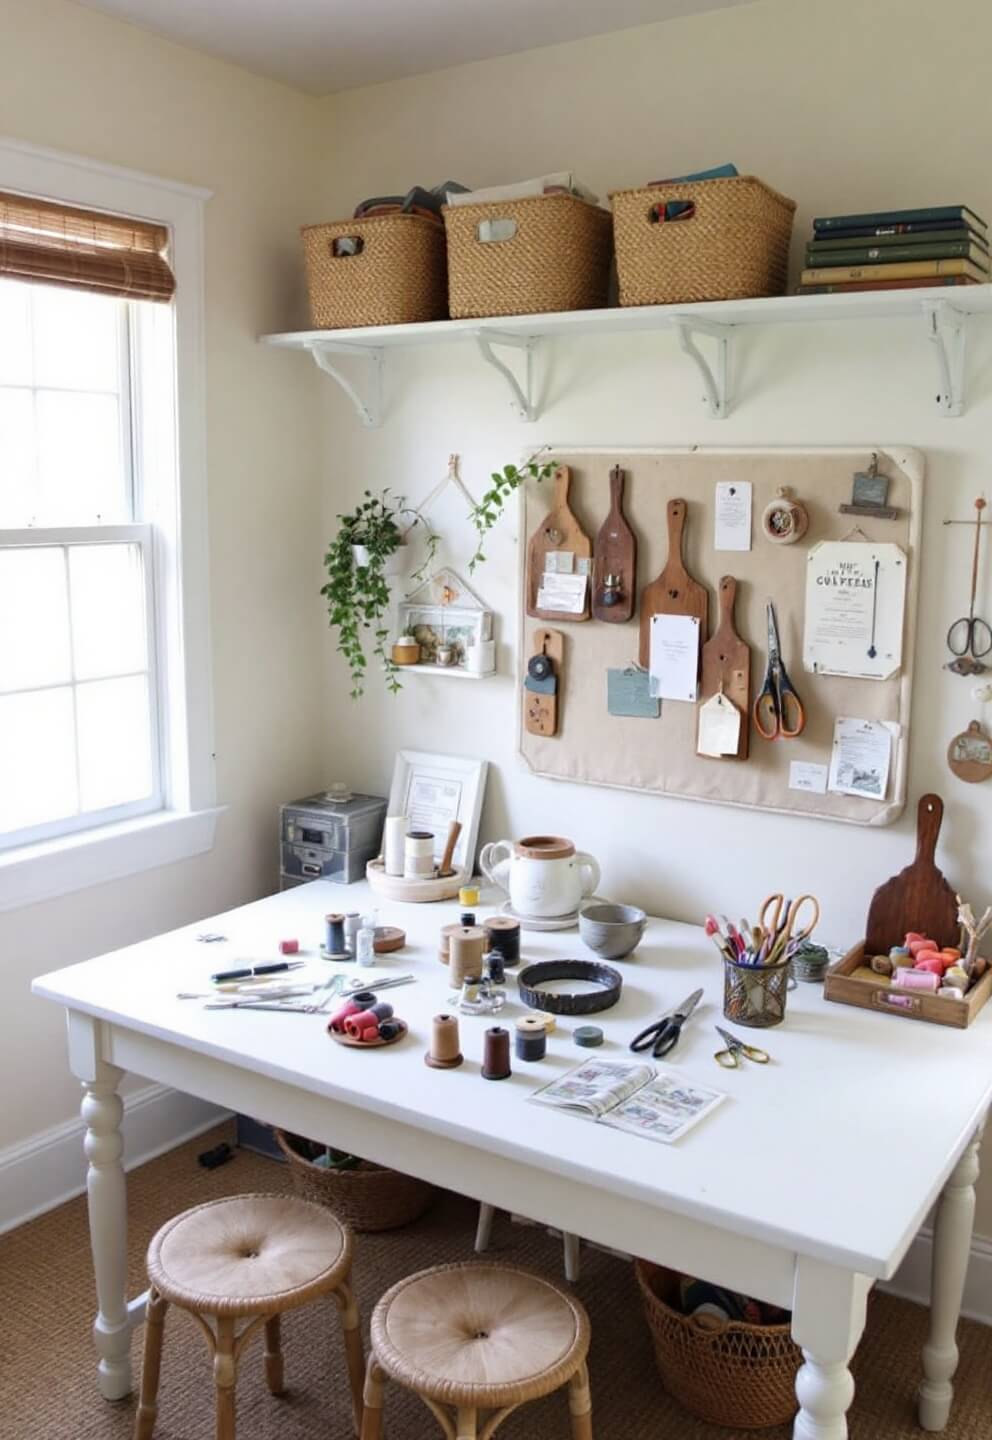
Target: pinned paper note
<point>674,657</point>
<point>804,775</point>
<point>855,604</point>
<point>559,562</point>
<point>628,692</point>
<point>719,727</point>
<point>732,516</point>
<point>861,755</point>
<point>562,594</point>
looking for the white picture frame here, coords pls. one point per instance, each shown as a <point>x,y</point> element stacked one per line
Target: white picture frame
<point>432,790</point>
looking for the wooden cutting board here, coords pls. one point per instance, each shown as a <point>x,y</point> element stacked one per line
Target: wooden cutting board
<point>559,530</point>
<point>674,592</point>
<point>727,662</point>
<point>614,553</point>
<point>918,898</point>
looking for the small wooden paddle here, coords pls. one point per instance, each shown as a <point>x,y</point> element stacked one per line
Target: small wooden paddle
<point>559,530</point>
<point>727,663</point>
<point>918,898</point>
<point>674,592</point>
<point>614,553</point>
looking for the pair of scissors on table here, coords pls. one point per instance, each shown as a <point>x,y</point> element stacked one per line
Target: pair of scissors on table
<point>779,920</point>
<point>778,710</point>
<point>664,1034</point>
<point>730,1058</point>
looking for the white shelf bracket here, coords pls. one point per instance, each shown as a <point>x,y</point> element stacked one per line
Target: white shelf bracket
<point>716,381</point>
<point>946,329</point>
<point>370,408</point>
<point>522,399</point>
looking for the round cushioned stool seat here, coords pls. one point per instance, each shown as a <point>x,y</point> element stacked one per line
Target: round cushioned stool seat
<point>485,1336</point>
<point>249,1255</point>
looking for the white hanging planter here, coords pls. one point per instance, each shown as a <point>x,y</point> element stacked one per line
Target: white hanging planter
<point>394,564</point>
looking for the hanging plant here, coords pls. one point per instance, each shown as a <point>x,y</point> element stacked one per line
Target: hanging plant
<point>358,562</point>
<point>506,482</point>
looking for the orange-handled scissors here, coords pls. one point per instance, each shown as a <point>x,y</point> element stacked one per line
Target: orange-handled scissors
<point>778,710</point>
<point>780,919</point>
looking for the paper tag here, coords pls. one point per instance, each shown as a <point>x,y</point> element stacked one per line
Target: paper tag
<point>859,764</point>
<point>719,727</point>
<point>565,594</point>
<point>628,692</point>
<point>732,516</point>
<point>559,562</point>
<point>804,775</point>
<point>675,657</point>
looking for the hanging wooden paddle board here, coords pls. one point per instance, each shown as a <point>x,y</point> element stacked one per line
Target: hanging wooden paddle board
<point>614,556</point>
<point>674,592</point>
<point>918,898</point>
<point>727,664</point>
<point>558,532</point>
<point>541,705</point>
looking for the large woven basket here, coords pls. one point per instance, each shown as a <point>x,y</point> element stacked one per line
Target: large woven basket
<point>367,1198</point>
<point>554,254</point>
<point>734,1374</point>
<point>397,278</point>
<point>734,244</point>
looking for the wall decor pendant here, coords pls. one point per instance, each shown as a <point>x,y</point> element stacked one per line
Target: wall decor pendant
<point>969,754</point>
<point>785,519</point>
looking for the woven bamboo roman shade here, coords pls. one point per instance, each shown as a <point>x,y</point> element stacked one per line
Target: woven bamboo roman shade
<point>83,249</point>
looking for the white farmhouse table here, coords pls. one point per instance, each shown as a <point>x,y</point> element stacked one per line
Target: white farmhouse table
<point>804,1187</point>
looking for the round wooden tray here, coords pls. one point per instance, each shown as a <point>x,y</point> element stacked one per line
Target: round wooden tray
<point>369,1044</point>
<point>415,892</point>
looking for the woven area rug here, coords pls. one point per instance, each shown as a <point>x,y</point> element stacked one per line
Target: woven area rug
<point>47,1365</point>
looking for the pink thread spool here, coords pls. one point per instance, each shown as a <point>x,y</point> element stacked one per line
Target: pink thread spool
<point>363,1026</point>
<point>289,947</point>
<point>336,1022</point>
<point>908,979</point>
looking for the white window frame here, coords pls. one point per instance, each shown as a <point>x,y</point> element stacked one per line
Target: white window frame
<point>185,823</point>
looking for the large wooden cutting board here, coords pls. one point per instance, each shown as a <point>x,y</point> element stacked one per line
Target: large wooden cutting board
<point>614,553</point>
<point>918,898</point>
<point>727,663</point>
<point>674,592</point>
<point>558,531</point>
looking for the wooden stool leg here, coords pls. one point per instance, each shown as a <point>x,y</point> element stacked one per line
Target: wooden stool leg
<point>151,1365</point>
<point>372,1410</point>
<point>580,1404</point>
<point>484,1229</point>
<point>571,1258</point>
<point>224,1377</point>
<point>353,1352</point>
<point>466,1428</point>
<point>273,1356</point>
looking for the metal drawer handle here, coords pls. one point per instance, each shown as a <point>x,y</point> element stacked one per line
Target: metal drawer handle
<point>310,869</point>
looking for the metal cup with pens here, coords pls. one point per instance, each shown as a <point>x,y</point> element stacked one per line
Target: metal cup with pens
<point>757,960</point>
<point>755,994</point>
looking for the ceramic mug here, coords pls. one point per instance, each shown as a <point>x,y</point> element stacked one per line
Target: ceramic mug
<point>543,875</point>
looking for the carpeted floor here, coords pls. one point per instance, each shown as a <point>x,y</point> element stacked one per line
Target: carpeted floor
<point>47,1389</point>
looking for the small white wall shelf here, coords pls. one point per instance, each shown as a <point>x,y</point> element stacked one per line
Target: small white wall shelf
<point>942,313</point>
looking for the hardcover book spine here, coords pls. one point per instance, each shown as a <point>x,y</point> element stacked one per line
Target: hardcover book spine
<point>891,254</point>
<point>918,269</point>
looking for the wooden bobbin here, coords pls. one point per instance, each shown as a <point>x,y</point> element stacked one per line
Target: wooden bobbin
<point>466,948</point>
<point>444,941</point>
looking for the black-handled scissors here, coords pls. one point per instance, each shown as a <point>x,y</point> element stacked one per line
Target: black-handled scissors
<point>664,1034</point>
<point>778,710</point>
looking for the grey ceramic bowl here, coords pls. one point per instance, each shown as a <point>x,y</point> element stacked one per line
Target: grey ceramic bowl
<point>612,931</point>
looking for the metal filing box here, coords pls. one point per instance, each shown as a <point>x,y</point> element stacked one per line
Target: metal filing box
<point>328,839</point>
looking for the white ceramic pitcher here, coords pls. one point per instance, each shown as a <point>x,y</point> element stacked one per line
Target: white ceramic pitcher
<point>543,875</point>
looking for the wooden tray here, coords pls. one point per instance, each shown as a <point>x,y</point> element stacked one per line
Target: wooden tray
<point>853,982</point>
<point>350,1044</point>
<point>413,892</point>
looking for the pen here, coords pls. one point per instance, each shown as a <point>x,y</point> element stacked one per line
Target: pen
<point>274,969</point>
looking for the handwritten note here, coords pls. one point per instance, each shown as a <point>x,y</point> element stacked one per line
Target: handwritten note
<point>565,594</point>
<point>719,727</point>
<point>674,657</point>
<point>804,775</point>
<point>732,516</point>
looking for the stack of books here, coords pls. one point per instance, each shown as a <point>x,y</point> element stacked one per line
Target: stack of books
<point>896,249</point>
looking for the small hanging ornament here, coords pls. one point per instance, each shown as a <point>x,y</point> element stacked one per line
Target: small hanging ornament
<point>970,754</point>
<point>785,520</point>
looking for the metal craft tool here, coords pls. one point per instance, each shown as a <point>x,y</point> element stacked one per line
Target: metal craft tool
<point>316,1007</point>
<point>778,711</point>
<point>730,1058</point>
<point>663,1035</point>
<point>970,638</point>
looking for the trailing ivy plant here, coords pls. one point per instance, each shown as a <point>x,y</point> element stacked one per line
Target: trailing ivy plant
<point>505,483</point>
<point>358,595</point>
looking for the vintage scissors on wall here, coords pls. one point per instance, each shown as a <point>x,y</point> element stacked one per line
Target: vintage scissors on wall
<point>664,1034</point>
<point>970,639</point>
<point>730,1058</point>
<point>778,710</point>
<point>779,919</point>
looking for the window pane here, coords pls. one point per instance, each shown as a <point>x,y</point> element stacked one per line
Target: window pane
<point>76,339</point>
<point>15,334</point>
<point>79,459</point>
<point>34,619</point>
<point>17,503</point>
<point>108,609</point>
<point>37,759</point>
<point>115,763</point>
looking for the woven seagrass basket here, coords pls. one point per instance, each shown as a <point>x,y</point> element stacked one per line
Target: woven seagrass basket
<point>525,257</point>
<point>397,277</point>
<point>367,1198</point>
<point>734,244</point>
<point>733,1374</point>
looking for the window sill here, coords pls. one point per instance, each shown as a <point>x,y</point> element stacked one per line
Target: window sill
<point>92,857</point>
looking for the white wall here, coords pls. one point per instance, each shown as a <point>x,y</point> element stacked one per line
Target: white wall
<point>842,111</point>
<point>73,80</point>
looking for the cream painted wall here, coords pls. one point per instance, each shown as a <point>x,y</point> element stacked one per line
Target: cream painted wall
<point>843,110</point>
<point>75,81</point>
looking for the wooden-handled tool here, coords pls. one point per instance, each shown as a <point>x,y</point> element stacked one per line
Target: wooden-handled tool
<point>543,682</point>
<point>614,565</point>
<point>445,868</point>
<point>558,531</point>
<point>674,592</point>
<point>918,898</point>
<point>727,664</point>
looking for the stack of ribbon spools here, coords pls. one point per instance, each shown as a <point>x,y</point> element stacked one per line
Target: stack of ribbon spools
<point>365,1020</point>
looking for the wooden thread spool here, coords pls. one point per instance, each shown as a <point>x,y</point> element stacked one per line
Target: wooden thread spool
<point>445,1052</point>
<point>466,948</point>
<point>444,941</point>
<point>496,1054</point>
<point>503,934</point>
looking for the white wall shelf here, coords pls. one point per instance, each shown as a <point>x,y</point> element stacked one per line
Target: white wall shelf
<point>454,672</point>
<point>942,313</point>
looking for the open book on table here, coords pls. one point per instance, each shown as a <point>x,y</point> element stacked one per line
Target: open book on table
<point>632,1096</point>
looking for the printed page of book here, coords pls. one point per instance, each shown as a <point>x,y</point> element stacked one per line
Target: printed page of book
<point>665,1109</point>
<point>595,1086</point>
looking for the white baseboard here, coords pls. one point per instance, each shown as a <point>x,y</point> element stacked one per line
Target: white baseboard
<point>912,1279</point>
<point>41,1172</point>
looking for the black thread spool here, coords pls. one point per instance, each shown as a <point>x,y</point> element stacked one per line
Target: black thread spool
<point>496,1054</point>
<point>467,918</point>
<point>531,1040</point>
<point>334,937</point>
<point>503,935</point>
<point>493,967</point>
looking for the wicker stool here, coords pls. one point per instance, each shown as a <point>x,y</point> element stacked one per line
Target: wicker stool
<point>474,1342</point>
<point>251,1257</point>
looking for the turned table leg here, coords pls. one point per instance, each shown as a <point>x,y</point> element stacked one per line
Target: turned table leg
<point>102,1112</point>
<point>484,1229</point>
<point>949,1265</point>
<point>274,1373</point>
<point>828,1317</point>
